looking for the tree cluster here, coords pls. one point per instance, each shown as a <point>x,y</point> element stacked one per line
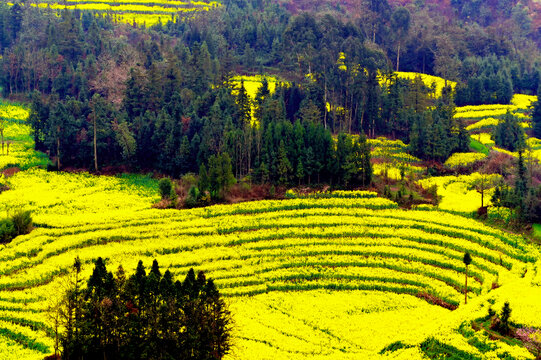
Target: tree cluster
<point>162,98</point>
<point>523,197</point>
<point>143,316</point>
<point>509,134</point>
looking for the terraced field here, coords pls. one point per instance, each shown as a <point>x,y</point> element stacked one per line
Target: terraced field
<point>136,12</point>
<point>330,276</point>
<point>269,253</point>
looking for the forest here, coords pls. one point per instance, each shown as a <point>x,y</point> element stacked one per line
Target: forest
<point>105,95</point>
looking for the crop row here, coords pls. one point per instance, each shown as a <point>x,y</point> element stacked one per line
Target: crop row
<point>325,228</point>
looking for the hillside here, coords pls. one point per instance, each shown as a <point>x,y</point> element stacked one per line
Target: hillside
<point>323,276</point>
<point>270,257</point>
<point>351,179</point>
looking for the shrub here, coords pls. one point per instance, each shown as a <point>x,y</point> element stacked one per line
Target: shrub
<point>193,197</point>
<point>22,221</point>
<point>18,224</point>
<point>166,188</point>
<point>7,230</point>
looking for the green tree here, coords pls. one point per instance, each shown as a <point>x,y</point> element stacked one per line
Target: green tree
<point>203,178</point>
<point>283,165</point>
<point>220,175</point>
<point>400,24</point>
<point>184,155</point>
<point>536,118</point>
<point>125,140</point>
<point>299,173</point>
<point>463,140</point>
<point>144,317</point>
<point>508,133</point>
<point>244,104</point>
<point>467,261</point>
<point>166,188</point>
<point>504,326</point>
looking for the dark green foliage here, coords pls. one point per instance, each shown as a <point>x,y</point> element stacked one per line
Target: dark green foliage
<point>504,326</point>
<point>20,223</point>
<point>7,230</point>
<point>358,169</point>
<point>487,81</point>
<point>220,175</point>
<point>536,118</point>
<point>145,317</point>
<point>283,165</point>
<point>509,134</point>
<point>203,182</point>
<point>467,259</point>
<point>166,188</point>
<point>193,197</point>
<point>397,345</point>
<point>434,349</point>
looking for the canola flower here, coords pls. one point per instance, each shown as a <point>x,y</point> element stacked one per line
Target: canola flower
<point>428,80</point>
<point>354,252</point>
<point>138,12</point>
<point>455,192</point>
<point>13,111</point>
<point>486,122</point>
<point>253,83</point>
<point>519,104</point>
<point>394,172</point>
<point>18,143</point>
<point>280,253</point>
<point>522,101</point>
<point>483,138</point>
<point>478,113</point>
<point>463,159</point>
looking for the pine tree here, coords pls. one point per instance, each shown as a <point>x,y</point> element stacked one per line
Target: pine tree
<point>203,178</point>
<point>310,163</point>
<point>509,134</point>
<point>299,173</point>
<point>283,165</point>
<point>228,179</point>
<point>244,104</point>
<point>536,117</point>
<point>184,156</point>
<point>463,140</point>
<point>467,261</point>
<point>366,164</point>
<point>504,327</point>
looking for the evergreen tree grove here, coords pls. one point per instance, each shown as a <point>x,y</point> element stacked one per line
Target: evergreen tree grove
<point>145,317</point>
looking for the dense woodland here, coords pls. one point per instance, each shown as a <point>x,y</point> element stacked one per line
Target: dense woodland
<point>142,316</point>
<point>162,99</point>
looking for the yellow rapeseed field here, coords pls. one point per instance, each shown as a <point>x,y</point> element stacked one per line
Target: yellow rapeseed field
<point>334,275</point>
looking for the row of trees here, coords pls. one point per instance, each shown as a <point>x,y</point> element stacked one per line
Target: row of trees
<point>143,316</point>
<point>67,55</point>
<point>162,98</point>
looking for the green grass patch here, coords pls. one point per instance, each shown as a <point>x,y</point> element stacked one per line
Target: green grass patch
<point>435,349</point>
<point>537,230</point>
<point>397,345</point>
<point>477,146</point>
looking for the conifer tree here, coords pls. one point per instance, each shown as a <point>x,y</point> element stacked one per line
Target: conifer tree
<point>467,261</point>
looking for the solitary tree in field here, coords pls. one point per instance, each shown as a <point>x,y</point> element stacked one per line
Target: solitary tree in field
<point>467,261</point>
<point>481,185</point>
